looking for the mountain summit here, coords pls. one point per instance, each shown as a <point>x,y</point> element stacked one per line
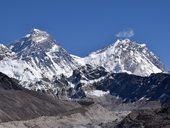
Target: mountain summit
<point>125,56</point>
<point>42,52</point>
<point>38,36</point>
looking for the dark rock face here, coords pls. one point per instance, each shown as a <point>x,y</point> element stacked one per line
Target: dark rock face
<point>79,94</point>
<point>132,88</point>
<point>84,73</point>
<point>93,73</point>
<point>159,118</point>
<point>7,83</point>
<point>17,103</point>
<point>60,81</point>
<point>87,72</point>
<point>129,87</point>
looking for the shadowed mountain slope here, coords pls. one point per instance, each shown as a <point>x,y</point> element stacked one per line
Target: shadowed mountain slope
<point>17,103</point>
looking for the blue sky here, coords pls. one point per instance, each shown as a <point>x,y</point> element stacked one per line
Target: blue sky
<point>83,26</point>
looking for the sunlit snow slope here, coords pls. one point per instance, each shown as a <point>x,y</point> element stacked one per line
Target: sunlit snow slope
<point>125,56</point>
<point>39,50</point>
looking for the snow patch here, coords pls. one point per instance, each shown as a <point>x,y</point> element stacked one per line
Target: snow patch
<point>97,93</point>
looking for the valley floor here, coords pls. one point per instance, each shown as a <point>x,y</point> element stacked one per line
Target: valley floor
<point>94,116</point>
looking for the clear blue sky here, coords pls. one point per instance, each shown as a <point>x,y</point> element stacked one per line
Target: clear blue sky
<point>83,26</point>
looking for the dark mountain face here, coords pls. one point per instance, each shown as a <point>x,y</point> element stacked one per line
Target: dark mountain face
<point>7,83</point>
<point>132,88</point>
<point>93,73</point>
<point>81,78</point>
<point>129,87</point>
<point>87,73</point>
<point>17,103</point>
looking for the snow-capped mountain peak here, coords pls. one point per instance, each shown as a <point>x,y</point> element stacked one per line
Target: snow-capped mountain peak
<point>127,42</point>
<point>42,52</point>
<point>39,59</point>
<point>126,56</point>
<point>37,36</point>
<point>35,30</point>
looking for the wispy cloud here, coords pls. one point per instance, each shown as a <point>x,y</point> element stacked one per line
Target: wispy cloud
<point>127,33</point>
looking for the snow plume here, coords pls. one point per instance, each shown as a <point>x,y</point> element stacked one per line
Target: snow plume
<point>126,33</point>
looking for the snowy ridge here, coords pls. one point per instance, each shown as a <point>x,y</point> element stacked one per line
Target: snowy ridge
<point>125,56</point>
<point>6,53</point>
<point>79,60</point>
<point>18,69</point>
<point>36,59</point>
<point>38,36</point>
